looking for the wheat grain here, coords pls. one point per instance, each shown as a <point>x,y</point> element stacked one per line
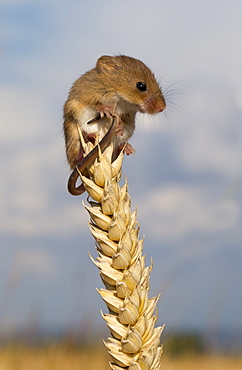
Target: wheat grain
<point>135,341</point>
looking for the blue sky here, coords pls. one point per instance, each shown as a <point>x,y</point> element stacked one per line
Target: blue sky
<point>185,177</point>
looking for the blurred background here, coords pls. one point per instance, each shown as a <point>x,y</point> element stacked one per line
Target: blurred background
<point>185,177</point>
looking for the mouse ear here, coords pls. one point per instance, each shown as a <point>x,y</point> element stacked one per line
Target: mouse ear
<point>106,63</point>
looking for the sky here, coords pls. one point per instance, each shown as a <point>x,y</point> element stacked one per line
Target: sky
<point>185,177</point>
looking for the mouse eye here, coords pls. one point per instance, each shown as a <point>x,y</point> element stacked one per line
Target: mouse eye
<point>141,86</point>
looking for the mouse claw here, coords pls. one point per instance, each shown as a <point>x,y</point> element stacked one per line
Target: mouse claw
<point>106,111</point>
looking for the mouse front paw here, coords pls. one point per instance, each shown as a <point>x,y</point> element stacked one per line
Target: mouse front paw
<point>107,111</point>
<point>127,148</point>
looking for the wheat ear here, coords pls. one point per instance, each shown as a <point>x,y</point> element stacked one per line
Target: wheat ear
<point>135,342</point>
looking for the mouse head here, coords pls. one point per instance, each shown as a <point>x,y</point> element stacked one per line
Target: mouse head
<point>133,81</point>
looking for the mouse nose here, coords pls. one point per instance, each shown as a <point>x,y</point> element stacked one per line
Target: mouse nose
<point>160,106</point>
<point>153,105</point>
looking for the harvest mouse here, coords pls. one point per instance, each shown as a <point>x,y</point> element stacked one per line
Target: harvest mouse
<point>118,87</point>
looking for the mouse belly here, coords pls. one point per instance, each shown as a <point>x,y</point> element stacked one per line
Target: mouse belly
<point>101,126</point>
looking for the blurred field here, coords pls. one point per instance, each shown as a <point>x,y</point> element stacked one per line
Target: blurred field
<point>59,357</point>
<point>209,362</point>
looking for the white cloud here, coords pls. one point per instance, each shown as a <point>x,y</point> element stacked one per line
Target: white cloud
<point>210,138</point>
<point>29,203</point>
<point>33,170</point>
<point>53,221</point>
<point>24,115</point>
<point>173,212</point>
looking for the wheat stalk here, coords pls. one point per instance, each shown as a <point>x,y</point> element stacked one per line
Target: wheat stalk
<point>135,342</point>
